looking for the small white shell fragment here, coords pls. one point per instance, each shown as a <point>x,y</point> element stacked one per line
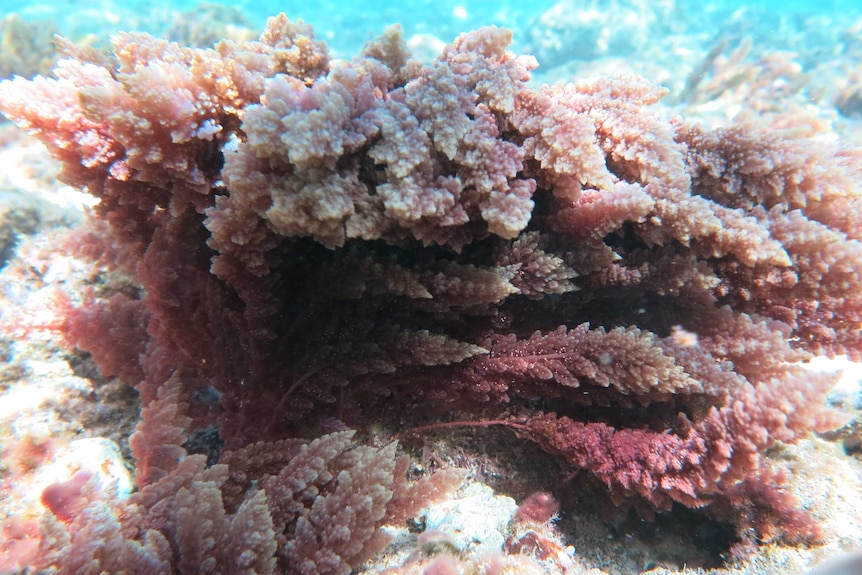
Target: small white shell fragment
<point>98,455</point>
<point>477,521</point>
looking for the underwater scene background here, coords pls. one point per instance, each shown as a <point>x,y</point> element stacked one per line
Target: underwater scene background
<point>513,287</point>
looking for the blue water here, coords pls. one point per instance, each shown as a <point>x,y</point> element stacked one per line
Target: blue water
<point>664,40</point>
<point>346,24</point>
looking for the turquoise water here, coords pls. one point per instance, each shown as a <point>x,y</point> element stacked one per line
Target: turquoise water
<point>345,25</point>
<point>664,40</point>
